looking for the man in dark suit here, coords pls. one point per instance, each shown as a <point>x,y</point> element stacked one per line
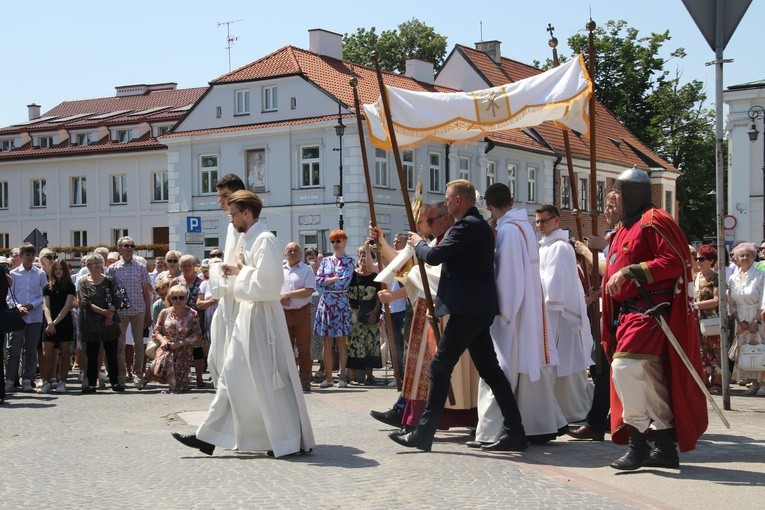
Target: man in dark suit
<point>467,292</point>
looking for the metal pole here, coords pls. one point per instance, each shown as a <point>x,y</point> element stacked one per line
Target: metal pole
<point>722,286</point>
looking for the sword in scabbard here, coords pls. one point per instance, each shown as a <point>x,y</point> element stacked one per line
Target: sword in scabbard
<point>656,312</point>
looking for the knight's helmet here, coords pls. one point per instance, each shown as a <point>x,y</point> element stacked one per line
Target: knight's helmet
<point>634,186</point>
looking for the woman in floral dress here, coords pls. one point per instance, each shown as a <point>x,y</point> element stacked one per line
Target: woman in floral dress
<point>747,298</point>
<point>333,313</point>
<point>705,300</point>
<point>178,331</point>
<point>364,344</point>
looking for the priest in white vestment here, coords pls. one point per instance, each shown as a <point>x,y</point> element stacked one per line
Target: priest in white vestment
<point>566,315</point>
<point>259,404</point>
<point>524,353</point>
<point>222,324</point>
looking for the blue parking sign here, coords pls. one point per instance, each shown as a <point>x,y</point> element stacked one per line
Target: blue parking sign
<point>193,223</point>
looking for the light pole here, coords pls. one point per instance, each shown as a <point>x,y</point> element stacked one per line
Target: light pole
<point>338,189</point>
<point>758,112</point>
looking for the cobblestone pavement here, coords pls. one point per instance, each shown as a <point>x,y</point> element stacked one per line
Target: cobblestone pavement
<point>114,450</point>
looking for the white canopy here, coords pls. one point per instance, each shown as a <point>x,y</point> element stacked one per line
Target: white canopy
<point>560,95</point>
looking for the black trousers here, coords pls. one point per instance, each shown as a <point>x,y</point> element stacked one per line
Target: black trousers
<point>110,349</point>
<point>469,332</point>
<point>601,397</point>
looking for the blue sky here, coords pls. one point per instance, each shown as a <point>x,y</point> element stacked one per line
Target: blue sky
<point>83,50</point>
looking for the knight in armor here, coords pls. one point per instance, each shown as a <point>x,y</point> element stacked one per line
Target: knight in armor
<point>650,386</point>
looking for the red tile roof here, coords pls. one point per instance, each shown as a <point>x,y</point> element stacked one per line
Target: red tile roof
<point>628,150</point>
<point>171,99</point>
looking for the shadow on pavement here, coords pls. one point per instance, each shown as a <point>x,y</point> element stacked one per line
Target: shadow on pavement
<point>341,456</point>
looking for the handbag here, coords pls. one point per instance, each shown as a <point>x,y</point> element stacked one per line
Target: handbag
<point>151,348</point>
<point>10,318</point>
<point>751,358</point>
<point>710,326</point>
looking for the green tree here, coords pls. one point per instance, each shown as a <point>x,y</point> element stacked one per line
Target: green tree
<point>628,69</point>
<point>413,39</point>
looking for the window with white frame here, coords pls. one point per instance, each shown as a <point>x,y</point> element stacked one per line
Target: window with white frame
<point>124,135</point>
<point>83,139</point>
<point>39,196</point>
<point>584,195</point>
<point>242,106</point>
<point>512,180</point>
<point>5,240</point>
<point>208,164</point>
<point>119,233</point>
<point>464,168</point>
<point>159,182</point>
<point>119,189</point>
<point>531,184</point>
<point>8,144</point>
<point>565,192</point>
<point>270,98</point>
<point>601,196</point>
<point>381,168</point>
<point>45,142</point>
<point>79,191</point>
<point>310,166</point>
<point>162,130</point>
<point>491,173</point>
<point>4,195</point>
<point>434,184</point>
<point>79,238</point>
<point>669,202</point>
<point>407,161</point>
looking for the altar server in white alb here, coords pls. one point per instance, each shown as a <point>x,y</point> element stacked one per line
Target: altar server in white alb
<point>222,324</point>
<point>523,349</point>
<point>258,405</point>
<point>566,315</point>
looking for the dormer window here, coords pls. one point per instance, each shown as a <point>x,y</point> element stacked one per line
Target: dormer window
<point>161,130</point>
<point>270,99</point>
<point>242,106</point>
<point>45,142</point>
<point>83,139</point>
<point>7,145</point>
<point>124,135</point>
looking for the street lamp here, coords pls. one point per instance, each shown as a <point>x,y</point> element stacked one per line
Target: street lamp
<point>338,189</point>
<point>758,112</point>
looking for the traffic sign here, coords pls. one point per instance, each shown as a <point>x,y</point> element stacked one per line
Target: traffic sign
<point>704,13</point>
<point>193,223</point>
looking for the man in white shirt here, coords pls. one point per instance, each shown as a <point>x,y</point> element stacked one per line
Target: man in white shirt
<point>297,289</point>
<point>28,284</point>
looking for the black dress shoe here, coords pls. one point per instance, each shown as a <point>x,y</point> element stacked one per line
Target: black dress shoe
<point>118,388</point>
<point>88,390</point>
<point>585,432</point>
<point>507,443</point>
<point>390,417</point>
<point>413,440</point>
<point>191,441</point>
<point>403,430</point>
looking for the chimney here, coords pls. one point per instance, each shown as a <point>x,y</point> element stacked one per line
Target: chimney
<point>491,48</point>
<point>34,111</point>
<point>420,70</point>
<point>326,43</point>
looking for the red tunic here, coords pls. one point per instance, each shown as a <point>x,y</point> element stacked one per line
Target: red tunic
<point>658,245</point>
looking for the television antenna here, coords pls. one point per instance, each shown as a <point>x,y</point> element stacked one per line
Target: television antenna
<point>230,40</point>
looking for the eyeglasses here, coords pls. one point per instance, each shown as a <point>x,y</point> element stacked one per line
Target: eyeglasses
<point>50,257</point>
<point>131,246</point>
<point>216,255</point>
<point>541,221</point>
<point>700,259</point>
<point>177,298</point>
<point>335,241</point>
<point>430,221</point>
<point>172,261</point>
<point>762,248</point>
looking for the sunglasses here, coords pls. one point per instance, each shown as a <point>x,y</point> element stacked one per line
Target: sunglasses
<point>131,246</point>
<point>430,221</point>
<point>172,261</point>
<point>50,257</point>
<point>543,220</point>
<point>177,298</point>
<point>701,259</point>
<point>216,255</point>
